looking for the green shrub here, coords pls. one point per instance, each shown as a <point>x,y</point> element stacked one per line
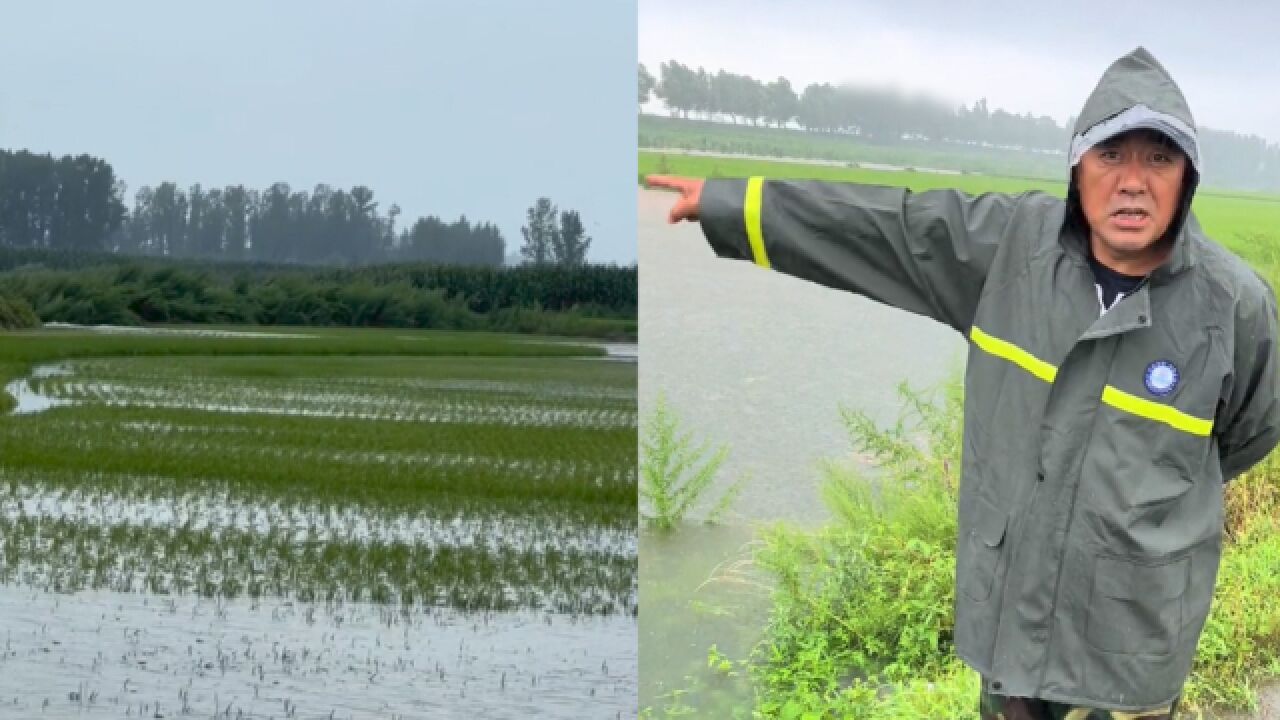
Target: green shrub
<point>674,475</point>
<point>16,313</point>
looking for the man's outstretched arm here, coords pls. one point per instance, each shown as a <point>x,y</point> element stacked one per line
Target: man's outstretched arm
<point>927,252</point>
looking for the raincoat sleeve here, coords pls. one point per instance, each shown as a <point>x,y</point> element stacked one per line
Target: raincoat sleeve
<point>1251,413</point>
<point>926,252</point>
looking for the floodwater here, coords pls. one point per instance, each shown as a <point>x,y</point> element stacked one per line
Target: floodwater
<point>115,655</point>
<point>30,400</point>
<point>623,352</point>
<point>616,351</point>
<point>194,332</point>
<point>762,363</point>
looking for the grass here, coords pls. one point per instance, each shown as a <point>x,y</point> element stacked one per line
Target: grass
<point>481,472</point>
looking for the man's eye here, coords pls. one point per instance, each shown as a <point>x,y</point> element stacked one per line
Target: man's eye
<point>1161,158</point>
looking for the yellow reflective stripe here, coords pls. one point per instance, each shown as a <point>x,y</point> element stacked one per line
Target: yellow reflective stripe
<point>751,214</point>
<point>1170,416</point>
<point>1162,711</point>
<point>1014,354</point>
<point>1112,396</point>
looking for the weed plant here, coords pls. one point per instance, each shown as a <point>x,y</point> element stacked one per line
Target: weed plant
<point>675,474</point>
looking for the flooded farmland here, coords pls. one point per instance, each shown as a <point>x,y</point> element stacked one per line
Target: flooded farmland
<point>319,536</point>
<point>763,364</point>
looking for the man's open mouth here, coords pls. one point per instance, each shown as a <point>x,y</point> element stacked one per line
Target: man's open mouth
<point>1130,212</point>
<point>1130,218</point>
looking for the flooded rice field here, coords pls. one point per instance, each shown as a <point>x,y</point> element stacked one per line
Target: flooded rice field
<point>106,654</point>
<point>308,536</point>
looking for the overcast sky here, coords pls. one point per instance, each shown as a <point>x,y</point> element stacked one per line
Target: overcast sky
<point>1024,56</point>
<point>445,108</point>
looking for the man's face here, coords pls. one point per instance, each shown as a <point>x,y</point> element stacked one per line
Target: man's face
<point>1129,190</point>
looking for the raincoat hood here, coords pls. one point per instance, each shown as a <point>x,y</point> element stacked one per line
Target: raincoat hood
<point>1137,92</point>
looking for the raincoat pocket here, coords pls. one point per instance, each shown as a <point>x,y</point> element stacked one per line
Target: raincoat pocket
<point>1137,608</point>
<point>978,562</point>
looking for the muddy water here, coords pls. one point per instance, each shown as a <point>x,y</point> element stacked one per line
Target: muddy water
<point>110,655</point>
<point>697,590</point>
<point>762,363</point>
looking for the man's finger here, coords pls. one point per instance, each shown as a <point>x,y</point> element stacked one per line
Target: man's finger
<point>684,209</point>
<point>669,182</point>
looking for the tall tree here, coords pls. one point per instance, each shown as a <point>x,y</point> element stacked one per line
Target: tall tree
<point>780,102</point>
<point>570,243</point>
<point>681,90</point>
<point>647,83</point>
<point>169,218</point>
<point>539,232</point>
<point>238,203</point>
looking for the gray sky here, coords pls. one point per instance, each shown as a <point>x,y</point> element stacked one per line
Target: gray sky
<point>1022,56</point>
<point>445,108</point>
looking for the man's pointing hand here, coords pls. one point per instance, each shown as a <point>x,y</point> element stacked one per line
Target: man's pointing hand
<point>690,189</point>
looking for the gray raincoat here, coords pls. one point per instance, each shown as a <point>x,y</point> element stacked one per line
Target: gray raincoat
<point>1096,445</point>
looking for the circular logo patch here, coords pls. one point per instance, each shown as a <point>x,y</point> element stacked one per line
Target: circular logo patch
<point>1161,377</point>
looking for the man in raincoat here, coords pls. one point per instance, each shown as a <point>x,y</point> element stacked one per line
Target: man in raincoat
<point>1121,370</point>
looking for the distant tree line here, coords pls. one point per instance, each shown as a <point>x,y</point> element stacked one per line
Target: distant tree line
<point>889,116</point>
<point>77,287</point>
<point>77,203</point>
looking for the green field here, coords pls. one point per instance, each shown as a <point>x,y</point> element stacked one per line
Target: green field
<point>656,132</point>
<point>481,472</point>
<point>1246,223</point>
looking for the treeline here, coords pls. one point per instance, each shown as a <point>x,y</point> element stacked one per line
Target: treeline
<point>889,117</point>
<point>77,200</point>
<point>279,224</point>
<point>596,301</point>
<point>77,203</point>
